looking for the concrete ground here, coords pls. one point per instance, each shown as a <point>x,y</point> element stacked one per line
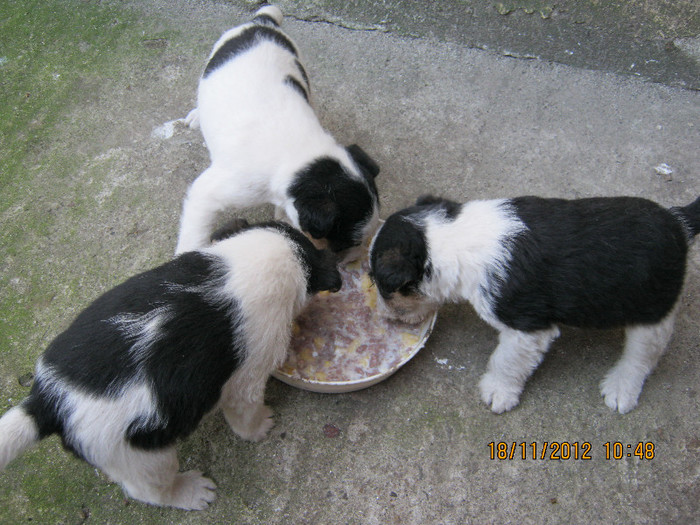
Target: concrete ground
<point>448,101</point>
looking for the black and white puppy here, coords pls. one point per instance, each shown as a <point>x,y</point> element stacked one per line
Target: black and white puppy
<point>529,264</point>
<point>267,146</point>
<point>141,366</point>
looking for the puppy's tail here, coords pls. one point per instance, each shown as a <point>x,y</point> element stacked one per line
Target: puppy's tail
<point>267,15</point>
<point>690,217</point>
<point>18,432</point>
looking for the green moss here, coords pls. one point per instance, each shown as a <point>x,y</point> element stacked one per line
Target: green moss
<point>47,46</point>
<point>54,56</point>
<point>46,481</point>
<point>430,420</point>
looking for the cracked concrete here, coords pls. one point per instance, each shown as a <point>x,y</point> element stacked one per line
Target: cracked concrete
<point>650,40</point>
<point>94,168</point>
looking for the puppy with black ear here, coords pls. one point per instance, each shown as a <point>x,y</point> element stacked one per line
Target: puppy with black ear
<point>141,366</point>
<point>529,264</point>
<point>267,146</point>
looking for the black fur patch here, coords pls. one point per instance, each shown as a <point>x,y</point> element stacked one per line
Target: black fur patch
<point>265,20</point>
<point>332,204</point>
<point>302,72</point>
<point>186,366</point>
<point>247,39</point>
<point>689,216</point>
<point>368,166</point>
<point>431,203</point>
<point>296,85</point>
<point>600,262</point>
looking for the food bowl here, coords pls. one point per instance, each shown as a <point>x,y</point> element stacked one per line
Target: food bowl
<point>341,343</point>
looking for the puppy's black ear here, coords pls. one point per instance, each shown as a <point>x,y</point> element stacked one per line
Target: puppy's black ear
<point>363,160</point>
<point>230,229</point>
<point>316,216</point>
<point>325,275</point>
<point>450,208</point>
<point>393,272</point>
<point>428,199</point>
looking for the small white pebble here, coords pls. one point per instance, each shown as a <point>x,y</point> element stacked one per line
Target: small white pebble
<point>167,130</point>
<point>664,169</point>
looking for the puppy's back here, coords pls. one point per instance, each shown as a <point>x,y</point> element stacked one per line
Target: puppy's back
<point>179,331</point>
<point>598,262</point>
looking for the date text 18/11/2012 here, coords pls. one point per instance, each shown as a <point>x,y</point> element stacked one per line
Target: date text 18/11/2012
<point>565,450</point>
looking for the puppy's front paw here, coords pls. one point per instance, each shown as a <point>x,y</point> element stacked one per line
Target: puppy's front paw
<point>621,390</point>
<point>262,424</point>
<point>497,393</point>
<point>251,423</point>
<point>192,491</point>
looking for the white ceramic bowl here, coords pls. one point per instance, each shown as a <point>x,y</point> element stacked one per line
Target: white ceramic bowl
<point>342,344</point>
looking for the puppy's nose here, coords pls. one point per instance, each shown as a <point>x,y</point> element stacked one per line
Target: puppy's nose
<point>337,285</point>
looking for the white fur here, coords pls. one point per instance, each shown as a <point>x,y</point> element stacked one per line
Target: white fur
<point>461,263</point>
<point>644,345</point>
<point>18,432</point>
<point>272,11</point>
<point>269,308</point>
<point>96,428</point>
<point>143,329</point>
<point>259,132</point>
<point>516,357</point>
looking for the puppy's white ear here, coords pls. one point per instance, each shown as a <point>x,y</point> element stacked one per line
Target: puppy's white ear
<point>316,215</point>
<point>364,161</point>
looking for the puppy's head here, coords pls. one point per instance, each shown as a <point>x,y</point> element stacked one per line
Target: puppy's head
<point>400,260</point>
<point>321,265</point>
<point>335,208</point>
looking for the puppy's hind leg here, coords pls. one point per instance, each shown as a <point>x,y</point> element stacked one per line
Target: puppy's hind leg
<point>515,359</point>
<point>644,345</point>
<point>153,477</point>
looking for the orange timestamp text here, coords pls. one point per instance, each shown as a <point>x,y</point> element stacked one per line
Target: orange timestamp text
<point>568,450</point>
